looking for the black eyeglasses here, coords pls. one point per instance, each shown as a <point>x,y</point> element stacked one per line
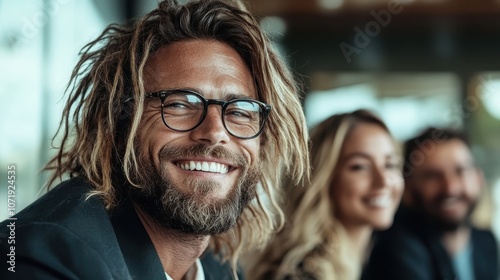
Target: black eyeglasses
<point>184,110</point>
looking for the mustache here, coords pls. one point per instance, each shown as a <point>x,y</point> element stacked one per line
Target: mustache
<point>460,197</point>
<point>202,150</point>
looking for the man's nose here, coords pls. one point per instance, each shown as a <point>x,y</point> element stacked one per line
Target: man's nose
<point>211,130</point>
<point>451,184</point>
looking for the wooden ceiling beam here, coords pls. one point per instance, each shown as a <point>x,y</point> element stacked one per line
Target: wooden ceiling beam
<point>295,8</point>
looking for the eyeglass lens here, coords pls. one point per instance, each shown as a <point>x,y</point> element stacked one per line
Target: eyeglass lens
<point>184,111</point>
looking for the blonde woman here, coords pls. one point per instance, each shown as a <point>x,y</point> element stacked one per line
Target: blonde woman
<point>355,188</point>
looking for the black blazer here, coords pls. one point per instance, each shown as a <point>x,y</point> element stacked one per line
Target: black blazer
<point>410,250</point>
<point>64,235</point>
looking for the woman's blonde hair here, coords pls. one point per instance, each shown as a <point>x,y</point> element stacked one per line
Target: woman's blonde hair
<point>106,92</point>
<point>313,244</point>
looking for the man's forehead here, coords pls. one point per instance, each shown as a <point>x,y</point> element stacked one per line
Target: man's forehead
<point>450,154</point>
<point>196,62</point>
<point>184,53</point>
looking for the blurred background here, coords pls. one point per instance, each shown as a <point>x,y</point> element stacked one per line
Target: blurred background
<point>414,62</point>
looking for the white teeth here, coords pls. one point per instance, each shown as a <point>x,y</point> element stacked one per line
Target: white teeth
<point>204,166</point>
<point>380,201</point>
<point>224,169</point>
<point>213,167</point>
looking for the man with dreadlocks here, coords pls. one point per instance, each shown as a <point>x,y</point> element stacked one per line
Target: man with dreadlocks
<point>176,136</point>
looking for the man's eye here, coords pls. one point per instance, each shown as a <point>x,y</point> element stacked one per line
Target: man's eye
<point>238,113</point>
<point>178,105</point>
<point>175,105</point>
<point>180,109</point>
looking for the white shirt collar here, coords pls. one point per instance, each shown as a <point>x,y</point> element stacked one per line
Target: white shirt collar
<point>200,274</point>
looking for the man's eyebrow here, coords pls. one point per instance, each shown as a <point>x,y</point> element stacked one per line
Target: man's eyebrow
<point>237,96</point>
<point>226,96</point>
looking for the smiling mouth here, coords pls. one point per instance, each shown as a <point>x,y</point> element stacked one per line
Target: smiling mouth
<point>205,166</point>
<point>381,201</point>
<point>450,202</point>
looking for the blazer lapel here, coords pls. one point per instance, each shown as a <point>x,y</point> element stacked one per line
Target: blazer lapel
<point>136,246</point>
<point>484,255</point>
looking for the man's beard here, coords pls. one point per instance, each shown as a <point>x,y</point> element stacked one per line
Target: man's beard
<point>193,212</point>
<point>441,223</point>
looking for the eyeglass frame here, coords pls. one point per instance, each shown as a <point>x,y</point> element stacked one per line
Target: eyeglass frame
<point>163,94</point>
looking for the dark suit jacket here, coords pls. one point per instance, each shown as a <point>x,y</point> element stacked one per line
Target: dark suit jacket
<point>411,250</point>
<point>63,235</point>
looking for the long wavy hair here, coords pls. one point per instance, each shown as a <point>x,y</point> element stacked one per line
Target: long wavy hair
<point>106,92</point>
<point>313,244</point>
